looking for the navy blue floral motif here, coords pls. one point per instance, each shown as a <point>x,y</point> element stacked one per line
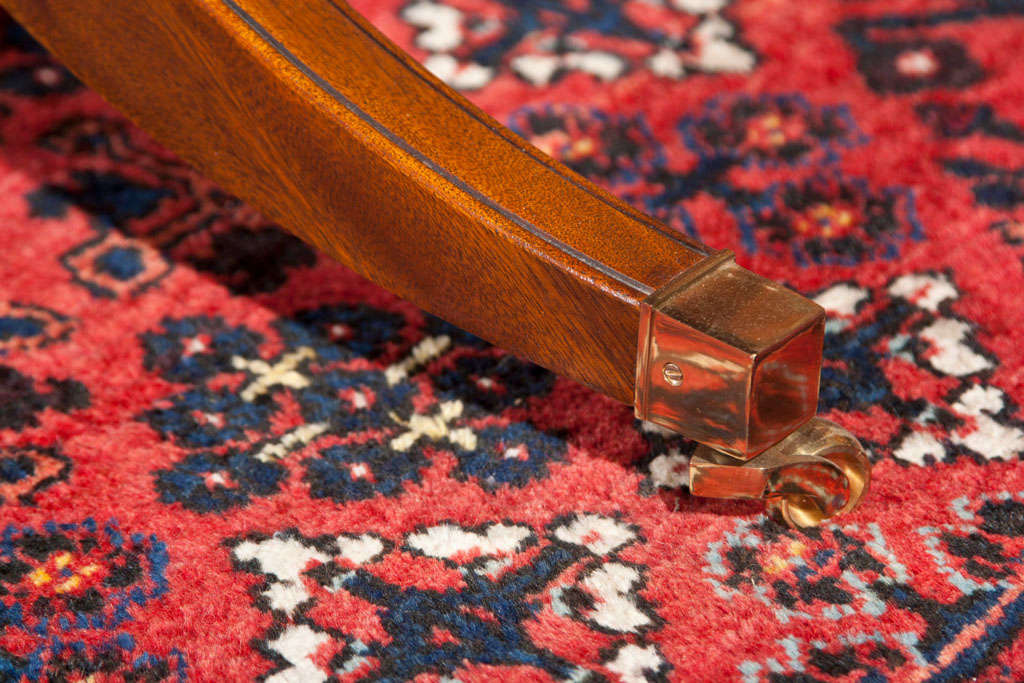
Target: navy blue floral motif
<point>357,472</point>
<point>770,130</point>
<point>436,327</point>
<point>909,52</point>
<point>110,197</point>
<point>27,470</point>
<point>28,326</point>
<point>202,418</point>
<point>996,186</point>
<point>493,381</point>
<point>152,195</point>
<point>961,119</point>
<point>204,482</point>
<point>22,400</point>
<point>514,455</point>
<point>67,589</point>
<point>350,373</point>
<point>116,659</point>
<point>38,80</point>
<point>405,609</point>
<point>253,260</point>
<point>851,377</point>
<point>24,327</point>
<point>15,36</point>
<point>197,348</point>
<point>35,74</point>
<point>360,329</point>
<point>949,63</point>
<point>829,218</point>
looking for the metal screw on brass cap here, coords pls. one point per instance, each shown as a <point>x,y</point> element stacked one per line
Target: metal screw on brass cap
<point>673,374</point>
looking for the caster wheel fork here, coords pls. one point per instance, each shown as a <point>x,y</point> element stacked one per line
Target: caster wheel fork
<point>817,472</point>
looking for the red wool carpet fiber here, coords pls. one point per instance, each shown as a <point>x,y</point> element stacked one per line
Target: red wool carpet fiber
<point>224,457</point>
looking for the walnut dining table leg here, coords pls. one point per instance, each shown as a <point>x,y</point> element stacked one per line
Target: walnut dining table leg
<point>307,112</point>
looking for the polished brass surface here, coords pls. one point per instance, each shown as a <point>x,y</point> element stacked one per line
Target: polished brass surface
<point>817,472</point>
<point>728,358</point>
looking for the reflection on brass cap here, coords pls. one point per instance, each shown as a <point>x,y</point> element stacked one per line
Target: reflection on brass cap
<point>745,357</point>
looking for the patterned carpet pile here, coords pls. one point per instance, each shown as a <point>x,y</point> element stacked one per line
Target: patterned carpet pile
<point>224,457</point>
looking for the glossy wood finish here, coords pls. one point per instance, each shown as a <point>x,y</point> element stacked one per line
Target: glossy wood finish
<point>308,113</point>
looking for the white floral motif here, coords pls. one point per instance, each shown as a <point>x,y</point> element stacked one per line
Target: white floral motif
<point>448,540</point>
<point>613,586</point>
<point>446,33</point>
<point>670,470</point>
<point>598,534</point>
<point>573,555</point>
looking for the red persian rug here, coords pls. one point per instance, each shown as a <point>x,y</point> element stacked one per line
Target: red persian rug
<point>224,457</point>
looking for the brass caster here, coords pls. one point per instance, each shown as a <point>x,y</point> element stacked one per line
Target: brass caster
<point>815,473</point>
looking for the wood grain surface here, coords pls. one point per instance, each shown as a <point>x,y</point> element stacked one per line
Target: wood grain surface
<point>307,112</point>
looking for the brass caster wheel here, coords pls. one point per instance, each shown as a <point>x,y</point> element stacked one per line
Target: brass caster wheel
<point>815,473</point>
